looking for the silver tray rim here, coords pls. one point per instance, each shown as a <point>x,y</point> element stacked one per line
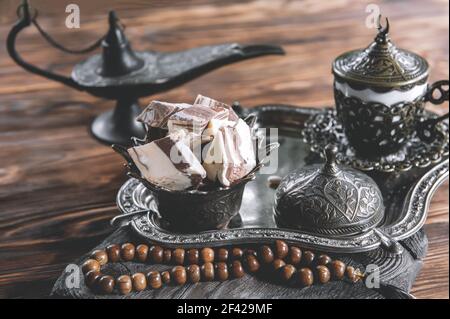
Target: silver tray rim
<point>143,220</point>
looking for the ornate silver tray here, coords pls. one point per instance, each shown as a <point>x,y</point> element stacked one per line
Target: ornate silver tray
<point>324,128</point>
<point>406,196</point>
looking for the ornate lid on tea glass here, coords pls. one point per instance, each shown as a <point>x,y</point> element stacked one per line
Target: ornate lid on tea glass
<point>381,64</point>
<point>328,199</point>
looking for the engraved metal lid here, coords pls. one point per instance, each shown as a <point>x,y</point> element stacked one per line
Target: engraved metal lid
<point>328,199</point>
<point>381,64</point>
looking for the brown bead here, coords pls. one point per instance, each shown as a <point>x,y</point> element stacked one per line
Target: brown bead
<point>308,257</point>
<point>266,254</point>
<point>193,273</point>
<point>178,274</point>
<point>221,271</point>
<point>90,264</point>
<point>165,277</point>
<point>92,277</point>
<point>251,263</point>
<point>305,277</point>
<point>127,252</point>
<point>167,256</point>
<point>124,284</point>
<point>295,255</point>
<point>207,255</point>
<point>323,274</point>
<point>250,251</point>
<point>154,279</point>
<point>281,249</point>
<point>324,260</point>
<point>106,284</point>
<point>113,253</point>
<point>236,269</point>
<point>139,281</point>
<point>286,272</point>
<point>352,274</point>
<point>178,256</point>
<point>277,264</point>
<point>101,256</point>
<point>156,254</point>
<point>236,253</point>
<point>193,256</point>
<point>222,254</point>
<point>142,253</point>
<point>337,268</point>
<point>207,271</point>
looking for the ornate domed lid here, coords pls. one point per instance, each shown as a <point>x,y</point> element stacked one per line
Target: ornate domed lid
<point>381,64</point>
<point>328,199</point>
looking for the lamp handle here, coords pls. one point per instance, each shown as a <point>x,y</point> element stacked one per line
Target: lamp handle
<point>25,19</point>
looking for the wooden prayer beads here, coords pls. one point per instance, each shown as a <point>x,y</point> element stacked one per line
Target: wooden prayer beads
<point>113,253</point>
<point>101,256</point>
<point>142,253</point>
<point>154,279</point>
<point>157,254</point>
<point>124,284</point>
<point>193,273</point>
<point>139,281</point>
<point>178,275</point>
<point>127,252</point>
<point>193,256</point>
<point>236,269</point>
<point>90,264</point>
<point>323,274</point>
<point>178,256</point>
<point>207,271</point>
<point>266,254</point>
<point>290,264</point>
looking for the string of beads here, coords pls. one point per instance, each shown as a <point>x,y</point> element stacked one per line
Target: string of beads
<point>286,263</point>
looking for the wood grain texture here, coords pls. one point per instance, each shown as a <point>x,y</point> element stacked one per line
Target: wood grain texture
<point>57,184</point>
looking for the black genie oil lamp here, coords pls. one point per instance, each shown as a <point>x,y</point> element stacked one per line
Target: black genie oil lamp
<point>328,200</point>
<point>121,74</point>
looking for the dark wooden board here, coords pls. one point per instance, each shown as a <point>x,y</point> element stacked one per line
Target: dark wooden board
<point>404,270</point>
<point>58,185</point>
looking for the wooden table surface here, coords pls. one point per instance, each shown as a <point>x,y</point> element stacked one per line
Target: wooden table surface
<point>58,185</point>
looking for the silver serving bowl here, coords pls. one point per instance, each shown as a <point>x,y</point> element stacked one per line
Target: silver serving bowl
<point>196,210</point>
